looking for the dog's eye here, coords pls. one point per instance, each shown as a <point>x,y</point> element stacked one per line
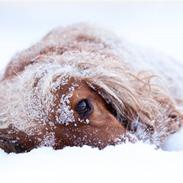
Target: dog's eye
<point>84,108</point>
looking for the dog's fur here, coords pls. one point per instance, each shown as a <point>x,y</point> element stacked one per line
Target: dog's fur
<point>142,89</point>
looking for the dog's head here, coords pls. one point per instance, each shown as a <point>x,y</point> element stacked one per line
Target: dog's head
<point>80,92</point>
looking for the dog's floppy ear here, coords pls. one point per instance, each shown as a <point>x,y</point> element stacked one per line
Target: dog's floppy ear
<point>124,113</point>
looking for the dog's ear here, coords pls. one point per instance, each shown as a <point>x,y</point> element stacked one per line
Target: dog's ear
<point>134,121</point>
<point>14,140</point>
<point>124,113</point>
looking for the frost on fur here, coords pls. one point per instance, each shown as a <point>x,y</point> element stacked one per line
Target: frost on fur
<point>140,86</point>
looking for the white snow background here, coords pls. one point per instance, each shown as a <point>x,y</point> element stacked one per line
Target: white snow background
<point>158,25</point>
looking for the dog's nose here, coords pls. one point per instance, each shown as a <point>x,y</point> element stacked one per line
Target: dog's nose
<point>11,145</point>
<point>15,141</point>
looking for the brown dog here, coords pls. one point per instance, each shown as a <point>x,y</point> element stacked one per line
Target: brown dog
<point>77,87</point>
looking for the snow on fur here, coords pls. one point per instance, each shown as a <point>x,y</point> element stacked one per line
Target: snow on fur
<point>128,76</point>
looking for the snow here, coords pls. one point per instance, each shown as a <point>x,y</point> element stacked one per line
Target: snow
<point>153,25</point>
<point>66,113</point>
<point>173,143</point>
<point>123,163</point>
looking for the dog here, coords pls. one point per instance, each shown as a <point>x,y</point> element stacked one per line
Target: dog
<point>82,85</point>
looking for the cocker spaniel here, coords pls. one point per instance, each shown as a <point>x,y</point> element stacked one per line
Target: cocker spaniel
<point>81,85</point>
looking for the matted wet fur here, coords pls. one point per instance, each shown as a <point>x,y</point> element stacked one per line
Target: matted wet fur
<point>138,94</point>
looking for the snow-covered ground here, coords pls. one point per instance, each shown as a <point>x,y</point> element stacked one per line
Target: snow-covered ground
<point>123,163</point>
<point>153,25</point>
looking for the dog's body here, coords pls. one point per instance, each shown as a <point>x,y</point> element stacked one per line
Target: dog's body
<point>142,91</point>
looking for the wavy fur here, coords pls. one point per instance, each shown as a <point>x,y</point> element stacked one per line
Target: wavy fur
<point>121,73</point>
